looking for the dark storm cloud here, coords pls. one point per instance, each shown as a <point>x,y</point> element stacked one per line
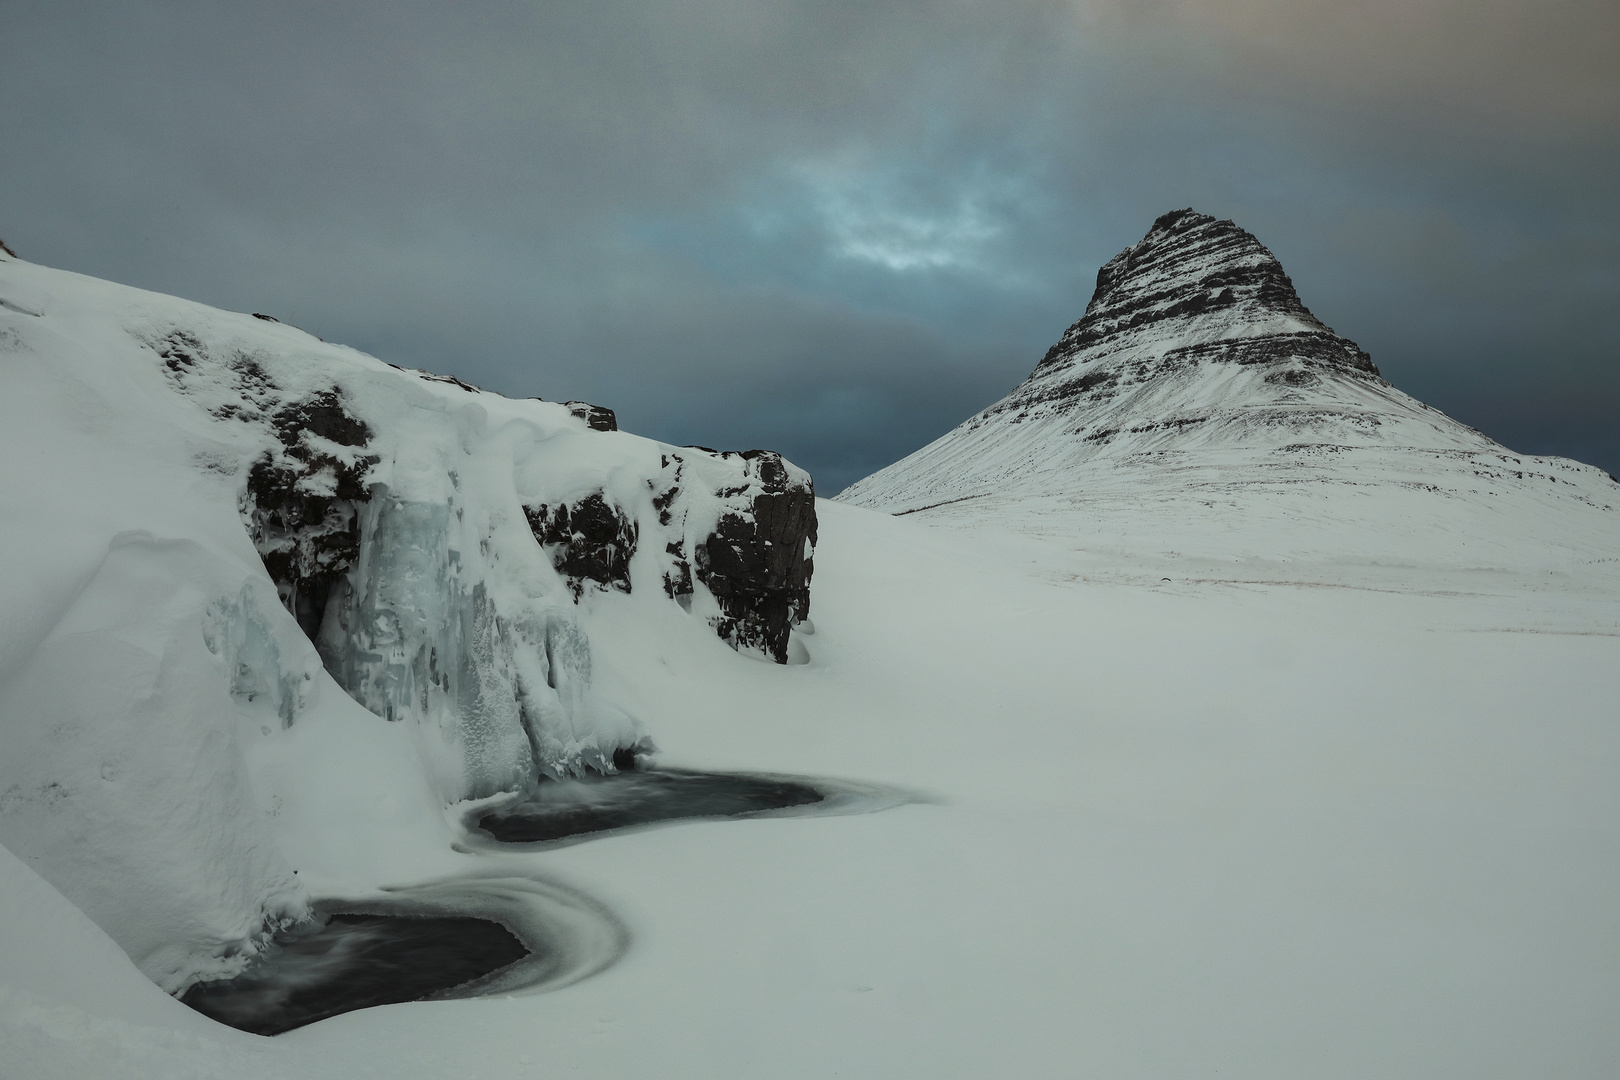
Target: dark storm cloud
<point>835,228</point>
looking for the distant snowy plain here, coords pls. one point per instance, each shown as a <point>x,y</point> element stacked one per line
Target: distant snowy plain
<point>1181,804</point>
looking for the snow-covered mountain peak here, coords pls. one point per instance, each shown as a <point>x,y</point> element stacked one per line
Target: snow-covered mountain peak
<point>1197,379</point>
<point>1192,275</point>
<point>1194,292</point>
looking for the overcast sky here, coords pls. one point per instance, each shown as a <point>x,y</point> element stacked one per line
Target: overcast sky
<point>833,228</point>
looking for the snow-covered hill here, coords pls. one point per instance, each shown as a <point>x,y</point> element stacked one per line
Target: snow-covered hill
<point>1200,421</point>
<point>225,540</point>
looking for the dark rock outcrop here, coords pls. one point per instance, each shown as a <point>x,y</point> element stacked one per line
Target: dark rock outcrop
<point>758,563</point>
<point>752,552</point>
<point>590,541</point>
<point>596,417</point>
<point>740,526</point>
<point>301,503</point>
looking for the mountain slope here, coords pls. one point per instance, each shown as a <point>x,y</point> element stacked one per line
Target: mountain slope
<point>1199,409</point>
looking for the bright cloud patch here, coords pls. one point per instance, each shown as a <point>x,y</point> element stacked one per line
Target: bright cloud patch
<point>908,241</point>
<point>896,223</point>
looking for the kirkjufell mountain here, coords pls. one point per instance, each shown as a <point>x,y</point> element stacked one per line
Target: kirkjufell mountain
<point>1199,409</point>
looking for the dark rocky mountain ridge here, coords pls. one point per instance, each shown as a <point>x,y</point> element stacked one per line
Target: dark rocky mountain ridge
<point>1189,269</point>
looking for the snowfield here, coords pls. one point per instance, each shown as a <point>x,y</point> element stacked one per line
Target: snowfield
<point>1332,806</point>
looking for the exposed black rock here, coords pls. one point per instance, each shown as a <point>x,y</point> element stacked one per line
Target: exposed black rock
<point>678,576</point>
<point>588,541</point>
<point>756,559</point>
<point>596,417</point>
<point>302,496</point>
<point>431,376</point>
<point>301,503</point>
<point>758,564</point>
<point>181,352</point>
<point>667,490</point>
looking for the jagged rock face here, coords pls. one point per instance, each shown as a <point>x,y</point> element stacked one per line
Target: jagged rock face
<point>303,493</point>
<point>590,541</point>
<point>596,417</point>
<point>302,502</point>
<point>758,564</point>
<point>740,524</point>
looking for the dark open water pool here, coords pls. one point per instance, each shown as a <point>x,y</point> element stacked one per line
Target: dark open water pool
<point>426,946</point>
<point>560,809</point>
<point>355,961</point>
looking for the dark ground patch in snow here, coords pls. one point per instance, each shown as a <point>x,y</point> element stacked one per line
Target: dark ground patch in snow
<point>353,962</point>
<point>564,808</point>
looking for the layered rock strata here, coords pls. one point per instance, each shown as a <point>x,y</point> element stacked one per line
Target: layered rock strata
<point>1199,405</point>
<point>1194,353</point>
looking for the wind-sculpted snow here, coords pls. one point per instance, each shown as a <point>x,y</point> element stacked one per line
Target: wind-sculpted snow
<point>274,605</point>
<point>122,779</point>
<point>1199,410</point>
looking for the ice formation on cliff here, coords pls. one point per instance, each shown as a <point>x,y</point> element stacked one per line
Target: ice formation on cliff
<point>236,532</point>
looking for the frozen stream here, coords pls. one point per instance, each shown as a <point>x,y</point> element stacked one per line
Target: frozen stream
<point>561,809</point>
<point>354,961</point>
<point>472,935</point>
